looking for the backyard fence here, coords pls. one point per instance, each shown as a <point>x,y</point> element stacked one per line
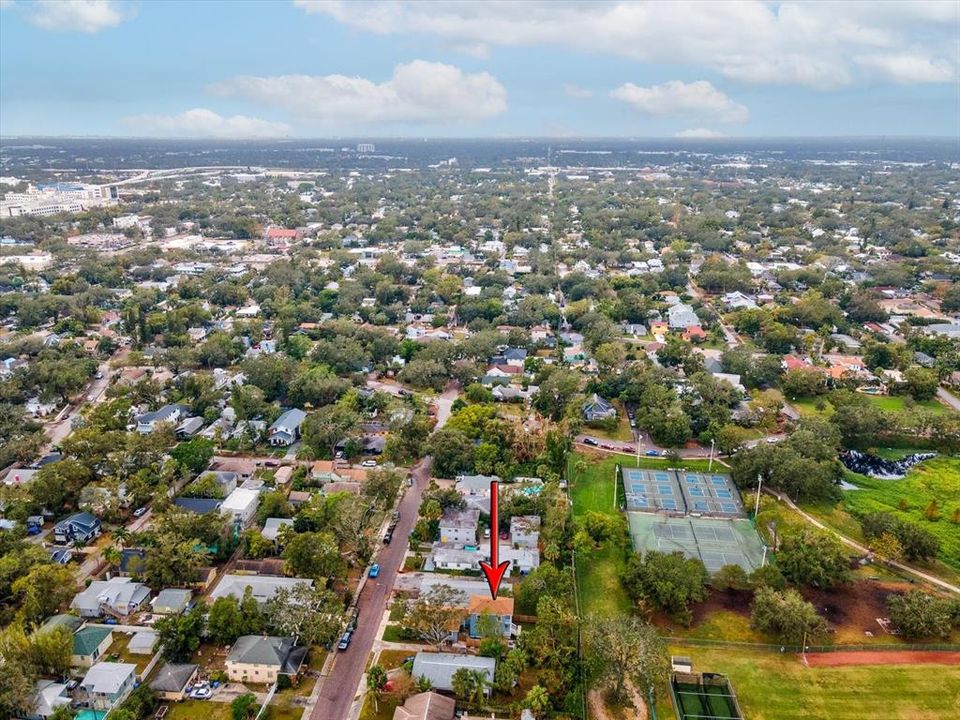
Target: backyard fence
<point>769,647</point>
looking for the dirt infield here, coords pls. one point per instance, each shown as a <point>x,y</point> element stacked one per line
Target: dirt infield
<point>883,657</point>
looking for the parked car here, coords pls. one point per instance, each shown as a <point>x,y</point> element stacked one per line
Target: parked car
<point>396,517</point>
<point>140,512</point>
<point>651,453</point>
<point>590,441</point>
<point>388,536</point>
<point>409,480</point>
<point>345,641</point>
<point>368,463</point>
<point>374,570</point>
<point>354,621</point>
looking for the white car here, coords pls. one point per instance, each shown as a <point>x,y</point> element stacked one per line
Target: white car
<point>368,463</point>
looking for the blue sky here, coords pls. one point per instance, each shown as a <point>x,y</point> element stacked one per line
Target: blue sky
<point>316,69</point>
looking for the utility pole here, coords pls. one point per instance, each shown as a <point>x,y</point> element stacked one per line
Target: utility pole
<point>710,466</point>
<point>756,506</point>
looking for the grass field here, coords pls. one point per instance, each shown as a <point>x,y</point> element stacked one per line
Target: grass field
<point>771,686</point>
<point>598,574</point>
<point>889,403</point>
<point>937,479</point>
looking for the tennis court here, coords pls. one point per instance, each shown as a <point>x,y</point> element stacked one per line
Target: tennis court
<point>704,697</point>
<point>714,541</point>
<point>652,490</point>
<point>681,492</point>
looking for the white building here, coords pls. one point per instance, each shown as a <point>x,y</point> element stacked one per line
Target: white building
<point>241,505</point>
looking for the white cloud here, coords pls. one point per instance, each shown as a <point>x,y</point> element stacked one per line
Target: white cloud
<point>909,69</point>
<point>85,16</point>
<point>575,91</point>
<point>418,92</point>
<point>811,44</point>
<point>201,122</point>
<point>698,100</point>
<point>699,133</point>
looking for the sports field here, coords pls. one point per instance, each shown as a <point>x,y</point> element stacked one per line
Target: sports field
<point>711,699</point>
<point>714,541</point>
<point>771,686</point>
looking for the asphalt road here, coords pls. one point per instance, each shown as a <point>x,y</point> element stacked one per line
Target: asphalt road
<point>337,692</point>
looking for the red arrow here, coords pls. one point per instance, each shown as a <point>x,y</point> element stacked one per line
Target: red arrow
<point>492,569</point>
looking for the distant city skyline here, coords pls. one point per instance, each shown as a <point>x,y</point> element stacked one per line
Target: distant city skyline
<point>314,69</point>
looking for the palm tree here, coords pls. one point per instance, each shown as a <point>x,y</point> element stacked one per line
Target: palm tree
<point>112,556</point>
<point>120,536</point>
<point>537,700</point>
<point>376,681</point>
<point>481,682</point>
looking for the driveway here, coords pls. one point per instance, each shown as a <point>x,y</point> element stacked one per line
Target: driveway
<point>338,689</point>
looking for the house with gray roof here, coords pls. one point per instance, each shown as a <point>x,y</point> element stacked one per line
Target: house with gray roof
<point>119,596</point>
<point>681,317</point>
<point>263,587</point>
<point>261,658</point>
<point>106,684</point>
<point>459,526</point>
<point>439,668</point>
<point>172,679</point>
<point>172,601</point>
<point>285,430</point>
<point>171,414</point>
<point>596,409</point>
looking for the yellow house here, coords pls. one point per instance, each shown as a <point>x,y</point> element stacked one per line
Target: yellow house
<point>261,658</point>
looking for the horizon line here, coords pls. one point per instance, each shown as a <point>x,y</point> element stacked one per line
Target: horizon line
<point>428,138</point>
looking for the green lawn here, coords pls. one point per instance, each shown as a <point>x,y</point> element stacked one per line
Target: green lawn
<point>623,433</point>
<point>771,686</point>
<point>890,403</point>
<point>598,574</point>
<point>937,479</point>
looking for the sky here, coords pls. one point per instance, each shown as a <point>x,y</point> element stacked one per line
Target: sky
<point>521,68</point>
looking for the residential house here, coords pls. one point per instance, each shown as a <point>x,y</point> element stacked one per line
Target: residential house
<point>171,601</point>
<point>499,610</point>
<point>49,696</point>
<point>681,316</point>
<point>273,526</point>
<point>106,684</point>
<point>450,557</point>
<point>172,679</point>
<point>241,505</point>
<point>263,587</point>
<point>119,596</point>
<point>19,477</point>
<point>459,526</point>
<point>142,642</point>
<point>286,429</point>
<point>738,301</point>
<point>426,706</point>
<point>261,658</point>
<point>525,531</point>
<point>170,414</point>
<point>79,528</point>
<point>439,668</point>
<point>514,357</point>
<point>475,485</point>
<point>89,645</point>
<point>596,409</point>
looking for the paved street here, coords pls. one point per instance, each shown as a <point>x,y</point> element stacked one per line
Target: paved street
<point>338,688</point>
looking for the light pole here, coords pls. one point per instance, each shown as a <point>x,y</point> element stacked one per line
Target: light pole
<point>756,506</point>
<point>763,560</point>
<point>710,466</point>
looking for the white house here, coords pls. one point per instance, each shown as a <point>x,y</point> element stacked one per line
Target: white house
<point>459,526</point>
<point>106,684</point>
<point>241,505</point>
<point>286,428</point>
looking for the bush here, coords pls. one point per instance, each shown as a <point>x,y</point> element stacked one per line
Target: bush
<point>786,615</point>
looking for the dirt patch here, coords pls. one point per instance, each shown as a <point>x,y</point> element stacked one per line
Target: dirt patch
<point>598,710</point>
<point>887,657</point>
<point>852,609</point>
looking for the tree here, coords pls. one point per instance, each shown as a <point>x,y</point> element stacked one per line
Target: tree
<point>44,589</point>
<point>462,683</point>
<point>556,391</point>
<point>310,615</point>
<point>917,614</point>
<point>730,577</point>
<point>537,700</point>
<point>173,561</point>
<point>224,623</point>
<point>179,635</point>
<point>244,707</point>
<point>625,650</point>
<point>430,616</point>
<point>921,383</point>
<point>813,558</point>
<point>786,615</point>
<point>452,452</point>
<point>313,555</point>
<point>376,682</point>
<point>668,581</point>
<point>323,429</point>
<point>194,454</point>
